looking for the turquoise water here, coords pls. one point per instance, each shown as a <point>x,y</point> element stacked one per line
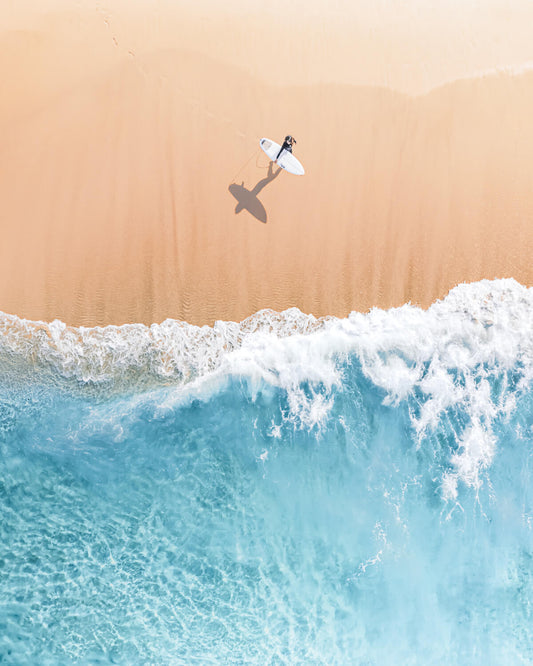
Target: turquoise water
<point>285,491</point>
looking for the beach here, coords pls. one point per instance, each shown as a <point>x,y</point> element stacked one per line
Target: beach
<point>133,187</point>
<point>248,416</point>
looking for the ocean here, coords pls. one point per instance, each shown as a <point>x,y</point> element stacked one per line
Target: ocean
<point>287,490</point>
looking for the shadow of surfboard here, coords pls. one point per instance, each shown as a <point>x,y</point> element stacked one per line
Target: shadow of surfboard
<point>247,199</point>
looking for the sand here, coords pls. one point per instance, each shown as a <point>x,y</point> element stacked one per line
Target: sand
<point>133,189</point>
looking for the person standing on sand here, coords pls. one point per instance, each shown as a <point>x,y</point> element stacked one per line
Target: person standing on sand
<point>287,145</point>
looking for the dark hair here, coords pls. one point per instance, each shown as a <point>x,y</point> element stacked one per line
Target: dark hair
<point>288,137</point>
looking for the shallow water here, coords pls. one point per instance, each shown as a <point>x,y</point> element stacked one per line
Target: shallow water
<point>285,491</point>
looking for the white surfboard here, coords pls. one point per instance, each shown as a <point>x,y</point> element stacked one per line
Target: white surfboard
<point>286,160</point>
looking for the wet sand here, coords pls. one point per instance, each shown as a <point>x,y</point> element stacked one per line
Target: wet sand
<point>132,185</point>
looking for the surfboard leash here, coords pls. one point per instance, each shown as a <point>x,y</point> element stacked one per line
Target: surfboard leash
<point>246,164</point>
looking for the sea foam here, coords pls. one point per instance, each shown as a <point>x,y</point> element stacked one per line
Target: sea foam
<point>483,322</point>
<point>437,360</point>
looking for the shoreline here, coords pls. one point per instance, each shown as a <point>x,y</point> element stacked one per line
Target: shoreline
<point>114,359</point>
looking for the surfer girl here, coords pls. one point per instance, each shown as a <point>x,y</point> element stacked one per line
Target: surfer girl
<point>287,145</point>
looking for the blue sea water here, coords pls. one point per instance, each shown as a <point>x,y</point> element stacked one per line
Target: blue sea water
<point>282,491</point>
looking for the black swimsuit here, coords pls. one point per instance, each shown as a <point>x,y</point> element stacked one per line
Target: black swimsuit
<point>286,146</point>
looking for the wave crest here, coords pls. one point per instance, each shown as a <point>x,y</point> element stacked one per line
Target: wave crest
<point>465,361</point>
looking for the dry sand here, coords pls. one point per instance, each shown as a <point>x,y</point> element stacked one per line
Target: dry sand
<point>132,186</point>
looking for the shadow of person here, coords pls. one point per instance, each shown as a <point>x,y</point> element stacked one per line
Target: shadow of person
<point>247,199</point>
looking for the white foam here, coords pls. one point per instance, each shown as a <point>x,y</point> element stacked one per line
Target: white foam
<point>435,359</point>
